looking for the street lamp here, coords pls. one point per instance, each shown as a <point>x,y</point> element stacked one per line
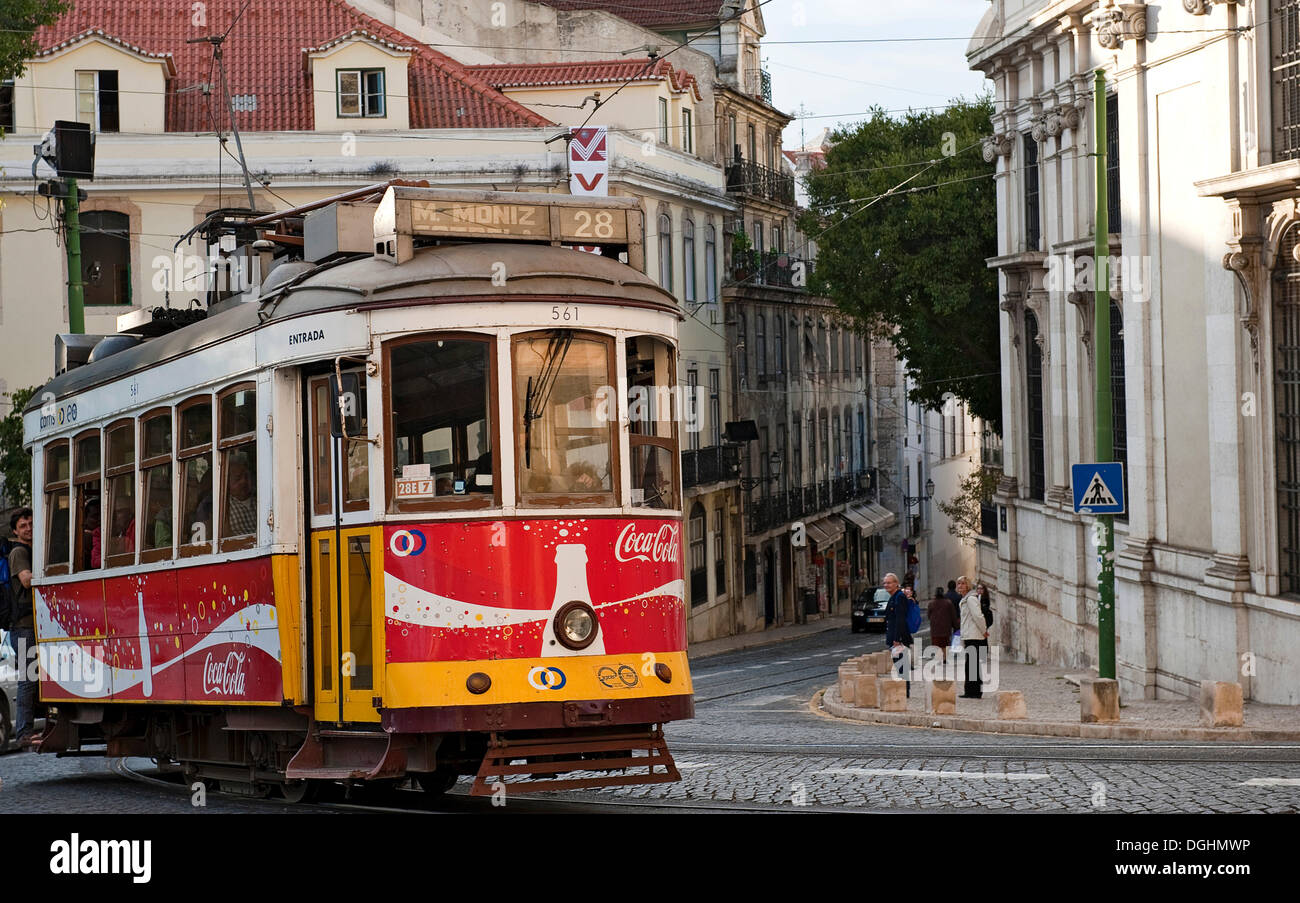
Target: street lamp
<point>774,473</point>
<point>910,500</point>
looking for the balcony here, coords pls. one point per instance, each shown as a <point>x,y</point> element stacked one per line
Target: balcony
<point>703,466</point>
<point>770,268</point>
<point>768,512</point>
<point>749,178</point>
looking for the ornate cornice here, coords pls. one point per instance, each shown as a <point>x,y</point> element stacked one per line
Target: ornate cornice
<point>1204,7</point>
<point>1114,24</point>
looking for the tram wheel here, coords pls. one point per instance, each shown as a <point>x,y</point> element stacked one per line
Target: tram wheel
<point>437,783</point>
<point>298,791</point>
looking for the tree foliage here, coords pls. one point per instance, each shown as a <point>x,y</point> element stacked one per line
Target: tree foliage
<point>963,509</point>
<point>18,19</point>
<point>910,267</point>
<point>15,462</point>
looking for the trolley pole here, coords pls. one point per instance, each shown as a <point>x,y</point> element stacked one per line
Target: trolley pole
<point>1102,401</point>
<point>72,224</point>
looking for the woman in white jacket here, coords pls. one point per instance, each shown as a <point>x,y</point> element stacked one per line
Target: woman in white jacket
<point>974,637</point>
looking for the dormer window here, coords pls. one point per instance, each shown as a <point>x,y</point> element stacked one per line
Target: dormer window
<point>361,92</point>
<point>97,103</point>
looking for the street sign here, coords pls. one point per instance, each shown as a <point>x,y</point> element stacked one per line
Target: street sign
<point>1098,488</point>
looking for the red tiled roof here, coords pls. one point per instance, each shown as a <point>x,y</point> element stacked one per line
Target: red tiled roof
<point>263,57</point>
<point>649,13</point>
<point>587,72</point>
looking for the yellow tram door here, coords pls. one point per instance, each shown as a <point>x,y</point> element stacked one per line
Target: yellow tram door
<point>345,567</point>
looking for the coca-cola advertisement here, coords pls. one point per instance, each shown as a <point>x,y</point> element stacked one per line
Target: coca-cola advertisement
<point>490,589</point>
<point>206,633</point>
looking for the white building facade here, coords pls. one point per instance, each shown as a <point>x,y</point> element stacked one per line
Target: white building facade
<point>1204,222</point>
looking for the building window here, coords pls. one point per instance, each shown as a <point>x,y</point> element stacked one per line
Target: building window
<point>1118,403</point>
<point>719,552</point>
<point>688,259</point>
<point>733,151</point>
<point>778,242</point>
<point>663,121</point>
<point>862,440</point>
<point>97,103</point>
<point>778,357</point>
<point>688,133</point>
<point>1113,223</point>
<point>699,567</point>
<point>692,406</point>
<point>835,352</point>
<point>752,141</point>
<point>760,345</point>
<point>1034,399</point>
<point>7,105</point>
<point>1285,46</point>
<point>715,407</point>
<point>784,454</point>
<point>1033,236</point>
<point>796,452</point>
<point>1286,394</point>
<point>710,264</point>
<point>742,352</point>
<point>666,252</point>
<point>361,93</point>
<point>106,257</point>
<point>837,456</point>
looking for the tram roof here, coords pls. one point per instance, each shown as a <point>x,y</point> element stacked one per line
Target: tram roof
<point>452,272</point>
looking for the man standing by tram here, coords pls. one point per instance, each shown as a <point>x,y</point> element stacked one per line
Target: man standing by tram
<point>23,636</point>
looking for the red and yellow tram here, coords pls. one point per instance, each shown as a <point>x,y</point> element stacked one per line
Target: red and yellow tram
<point>412,507</point>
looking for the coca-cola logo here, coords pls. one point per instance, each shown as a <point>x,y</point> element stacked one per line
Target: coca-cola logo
<point>658,545</point>
<point>224,676</point>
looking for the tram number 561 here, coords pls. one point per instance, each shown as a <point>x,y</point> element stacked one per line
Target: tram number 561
<point>564,313</point>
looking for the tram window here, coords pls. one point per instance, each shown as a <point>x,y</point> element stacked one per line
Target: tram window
<point>237,440</point>
<point>440,394</point>
<point>356,463</point>
<point>565,432</point>
<point>652,412</point>
<point>320,445</point>
<point>119,480</point>
<point>88,535</point>
<point>156,475</point>
<point>56,507</point>
<point>194,462</point>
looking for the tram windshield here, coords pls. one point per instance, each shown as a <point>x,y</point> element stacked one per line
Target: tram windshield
<point>565,434</point>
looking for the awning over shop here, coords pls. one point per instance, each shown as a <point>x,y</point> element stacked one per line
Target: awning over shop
<point>826,531</point>
<point>870,518</point>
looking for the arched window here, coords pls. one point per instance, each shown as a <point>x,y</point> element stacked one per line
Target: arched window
<point>666,252</point>
<point>1286,395</point>
<point>699,568</point>
<point>710,265</point>
<point>1118,409</point>
<point>1034,407</point>
<point>106,257</point>
<point>688,259</point>
<point>760,345</point>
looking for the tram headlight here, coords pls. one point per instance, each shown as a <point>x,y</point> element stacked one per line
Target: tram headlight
<point>576,625</point>
<point>478,682</point>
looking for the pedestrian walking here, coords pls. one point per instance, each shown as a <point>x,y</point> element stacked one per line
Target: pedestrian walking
<point>974,637</point>
<point>23,636</point>
<point>942,621</point>
<point>897,636</point>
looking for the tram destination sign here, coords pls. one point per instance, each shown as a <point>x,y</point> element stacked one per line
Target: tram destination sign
<point>511,216</point>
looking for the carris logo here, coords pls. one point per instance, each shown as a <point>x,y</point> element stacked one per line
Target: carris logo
<point>225,677</point>
<point>660,546</point>
<point>547,678</point>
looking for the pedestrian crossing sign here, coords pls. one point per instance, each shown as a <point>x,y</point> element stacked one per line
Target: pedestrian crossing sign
<point>1098,488</point>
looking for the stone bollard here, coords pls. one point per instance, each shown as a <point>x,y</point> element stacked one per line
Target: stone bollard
<point>1221,704</point>
<point>1011,706</point>
<point>1098,699</point>
<point>943,697</point>
<point>848,681</point>
<point>880,662</point>
<point>893,695</point>
<point>865,695</point>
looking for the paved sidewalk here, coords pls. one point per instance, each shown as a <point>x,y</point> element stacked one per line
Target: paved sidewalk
<point>1052,699</point>
<point>698,651</point>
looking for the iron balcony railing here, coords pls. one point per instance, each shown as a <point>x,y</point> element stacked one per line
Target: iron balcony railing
<point>770,268</point>
<point>703,466</point>
<point>750,178</point>
<point>769,511</point>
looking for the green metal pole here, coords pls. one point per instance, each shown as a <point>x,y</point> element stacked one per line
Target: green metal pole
<point>76,297</point>
<point>1101,360</point>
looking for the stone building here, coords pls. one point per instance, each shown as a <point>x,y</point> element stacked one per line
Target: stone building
<point>1204,219</point>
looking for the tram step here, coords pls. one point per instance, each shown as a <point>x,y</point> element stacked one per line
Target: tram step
<point>333,755</point>
<point>552,757</point>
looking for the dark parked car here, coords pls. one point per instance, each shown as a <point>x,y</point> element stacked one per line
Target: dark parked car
<point>869,609</point>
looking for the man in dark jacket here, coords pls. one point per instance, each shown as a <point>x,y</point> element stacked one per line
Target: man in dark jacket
<point>897,636</point>
<point>23,636</point>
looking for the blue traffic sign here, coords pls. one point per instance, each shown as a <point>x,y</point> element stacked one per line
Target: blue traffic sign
<point>1098,488</point>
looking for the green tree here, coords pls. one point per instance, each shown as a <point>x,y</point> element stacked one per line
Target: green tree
<point>905,216</point>
<point>963,510</point>
<point>18,19</point>
<point>15,462</point>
